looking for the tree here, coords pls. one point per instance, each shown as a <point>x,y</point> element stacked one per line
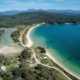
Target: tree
<point>16,72</point>
<point>26,54</point>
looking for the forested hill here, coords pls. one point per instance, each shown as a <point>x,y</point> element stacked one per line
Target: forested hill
<point>28,18</point>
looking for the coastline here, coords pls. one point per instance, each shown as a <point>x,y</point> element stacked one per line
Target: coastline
<point>30,44</point>
<point>29,41</point>
<point>61,65</point>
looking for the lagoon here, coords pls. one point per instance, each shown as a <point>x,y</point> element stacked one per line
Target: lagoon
<point>7,46</point>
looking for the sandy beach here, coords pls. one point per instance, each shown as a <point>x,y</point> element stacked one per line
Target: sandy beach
<point>29,41</point>
<point>61,65</point>
<point>30,44</point>
<point>6,50</point>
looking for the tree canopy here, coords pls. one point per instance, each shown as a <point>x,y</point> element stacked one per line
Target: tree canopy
<point>28,18</point>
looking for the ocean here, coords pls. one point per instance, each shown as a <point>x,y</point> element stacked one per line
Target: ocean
<point>62,41</point>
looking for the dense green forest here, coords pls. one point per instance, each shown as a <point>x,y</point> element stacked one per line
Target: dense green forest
<point>28,18</point>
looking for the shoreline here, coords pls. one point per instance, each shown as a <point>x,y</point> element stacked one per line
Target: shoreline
<point>30,44</point>
<point>61,65</point>
<point>29,41</point>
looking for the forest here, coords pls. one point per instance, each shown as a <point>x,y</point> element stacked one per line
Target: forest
<point>29,18</point>
<point>18,68</point>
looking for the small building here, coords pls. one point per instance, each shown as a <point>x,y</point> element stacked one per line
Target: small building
<point>45,57</point>
<point>3,68</point>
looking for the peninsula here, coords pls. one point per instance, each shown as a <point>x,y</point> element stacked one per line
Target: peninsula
<point>21,58</point>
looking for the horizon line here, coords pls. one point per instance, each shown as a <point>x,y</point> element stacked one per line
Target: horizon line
<point>36,9</point>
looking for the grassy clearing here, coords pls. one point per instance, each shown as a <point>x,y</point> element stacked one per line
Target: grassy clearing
<point>42,57</point>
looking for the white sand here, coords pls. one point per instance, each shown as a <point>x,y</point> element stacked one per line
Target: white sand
<point>29,41</point>
<point>6,50</point>
<point>61,65</point>
<point>30,44</point>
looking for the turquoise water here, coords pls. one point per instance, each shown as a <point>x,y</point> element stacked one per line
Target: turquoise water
<point>63,42</point>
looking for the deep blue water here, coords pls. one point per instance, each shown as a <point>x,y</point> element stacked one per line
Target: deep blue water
<point>64,39</point>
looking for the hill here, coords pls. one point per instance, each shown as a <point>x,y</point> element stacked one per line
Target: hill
<point>10,12</point>
<point>29,18</point>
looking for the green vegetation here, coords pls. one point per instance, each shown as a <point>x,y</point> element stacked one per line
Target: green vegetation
<point>17,68</point>
<point>16,34</point>
<point>24,40</point>
<point>26,54</point>
<point>41,56</point>
<point>29,18</point>
<point>45,73</point>
<point>41,50</point>
<point>1,32</point>
<point>44,59</point>
<point>3,60</point>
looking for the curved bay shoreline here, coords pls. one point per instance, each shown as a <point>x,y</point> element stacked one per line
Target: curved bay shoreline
<point>29,44</point>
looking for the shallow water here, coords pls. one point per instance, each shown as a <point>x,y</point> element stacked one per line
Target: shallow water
<point>5,39</point>
<point>63,41</point>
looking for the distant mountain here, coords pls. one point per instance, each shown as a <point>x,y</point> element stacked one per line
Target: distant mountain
<point>67,12</point>
<point>11,12</point>
<point>35,10</point>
